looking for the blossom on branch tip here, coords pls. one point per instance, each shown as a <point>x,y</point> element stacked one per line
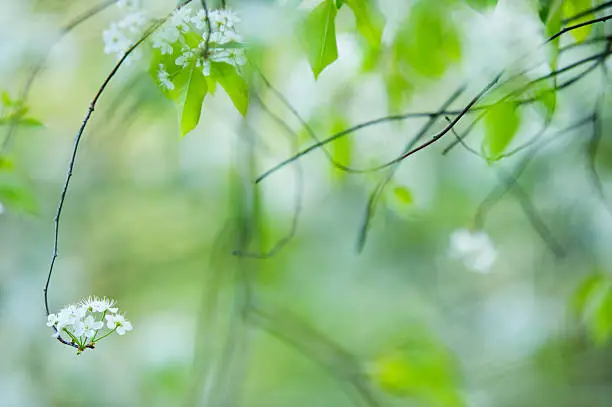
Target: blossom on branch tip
<point>82,324</point>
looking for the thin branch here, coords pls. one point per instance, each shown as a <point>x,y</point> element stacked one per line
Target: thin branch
<point>402,117</point>
<point>587,12</point>
<point>77,140</point>
<point>575,27</point>
<point>208,28</point>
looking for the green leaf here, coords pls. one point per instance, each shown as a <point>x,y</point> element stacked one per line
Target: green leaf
<point>501,123</point>
<point>421,369</point>
<point>585,290</point>
<point>399,89</point>
<point>403,195</point>
<point>369,21</point>
<point>190,106</point>
<point>320,36</point>
<point>6,99</point>
<point>592,301</point>
<point>18,197</point>
<point>339,3</point>
<point>481,4</point>
<point>429,40</point>
<point>553,26</point>
<point>573,7</point>
<point>30,122</point>
<point>6,164</point>
<point>233,84</point>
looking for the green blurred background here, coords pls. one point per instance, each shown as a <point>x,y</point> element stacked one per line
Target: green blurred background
<point>153,221</point>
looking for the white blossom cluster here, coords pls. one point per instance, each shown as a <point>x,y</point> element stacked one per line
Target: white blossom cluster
<point>88,321</point>
<point>171,39</point>
<point>475,249</point>
<point>120,35</point>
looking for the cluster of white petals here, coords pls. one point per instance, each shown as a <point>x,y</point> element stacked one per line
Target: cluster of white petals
<point>88,321</point>
<point>171,39</point>
<point>475,249</point>
<point>120,35</point>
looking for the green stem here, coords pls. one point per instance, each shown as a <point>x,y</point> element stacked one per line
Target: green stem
<point>104,336</point>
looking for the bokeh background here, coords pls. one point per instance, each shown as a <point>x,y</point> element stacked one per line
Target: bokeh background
<point>153,221</point>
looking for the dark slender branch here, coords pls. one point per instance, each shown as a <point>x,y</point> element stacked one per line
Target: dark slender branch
<point>208,29</point>
<point>306,126</point>
<point>402,117</point>
<point>575,27</point>
<point>81,18</point>
<point>77,140</point>
<point>587,12</point>
<point>343,133</point>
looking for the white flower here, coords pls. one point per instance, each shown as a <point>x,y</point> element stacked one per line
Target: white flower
<point>185,58</point>
<point>95,304</point>
<point>115,42</point>
<point>180,19</point>
<point>164,78</point>
<point>475,249</point>
<point>133,22</point>
<point>223,37</point>
<point>223,19</point>
<point>237,56</point>
<point>206,67</point>
<point>70,315</point>
<point>164,38</point>
<point>199,20</point>
<point>52,320</point>
<point>1,208</point>
<point>82,326</point>
<point>119,322</point>
<point>91,326</point>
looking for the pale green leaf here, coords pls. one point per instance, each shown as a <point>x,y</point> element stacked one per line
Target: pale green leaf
<point>233,84</point>
<point>403,195</point>
<point>190,106</point>
<point>553,26</point>
<point>320,36</point>
<point>501,123</point>
<point>369,20</point>
<point>18,197</point>
<point>573,7</point>
<point>429,41</point>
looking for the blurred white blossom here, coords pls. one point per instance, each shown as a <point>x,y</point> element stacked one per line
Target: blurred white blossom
<point>1,208</point>
<point>475,249</point>
<point>120,35</point>
<point>82,324</point>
